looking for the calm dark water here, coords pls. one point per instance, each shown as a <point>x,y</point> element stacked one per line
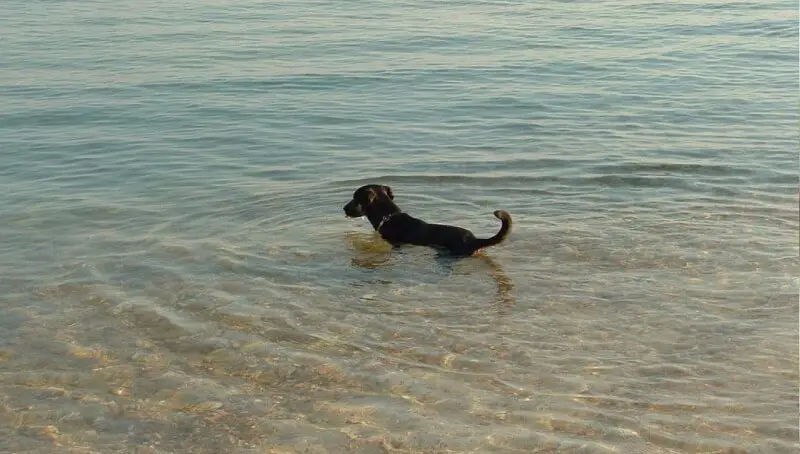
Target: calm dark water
<point>176,274</point>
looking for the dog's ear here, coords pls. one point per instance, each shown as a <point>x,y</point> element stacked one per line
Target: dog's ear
<point>388,191</point>
<point>371,195</point>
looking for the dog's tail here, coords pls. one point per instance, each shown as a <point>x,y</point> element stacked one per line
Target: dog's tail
<point>480,243</point>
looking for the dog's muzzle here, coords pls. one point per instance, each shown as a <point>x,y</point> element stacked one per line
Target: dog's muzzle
<point>353,210</point>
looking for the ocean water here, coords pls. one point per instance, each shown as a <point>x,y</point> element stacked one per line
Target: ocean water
<point>177,274</point>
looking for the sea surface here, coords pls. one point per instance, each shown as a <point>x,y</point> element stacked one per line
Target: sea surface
<point>177,274</point>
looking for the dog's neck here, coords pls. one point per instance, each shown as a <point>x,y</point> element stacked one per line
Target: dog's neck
<point>379,214</point>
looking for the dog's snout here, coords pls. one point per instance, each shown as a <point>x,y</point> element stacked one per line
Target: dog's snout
<point>353,209</point>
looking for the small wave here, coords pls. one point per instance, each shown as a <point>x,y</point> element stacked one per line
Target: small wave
<point>673,167</point>
<point>615,180</point>
<point>309,81</point>
<point>439,178</point>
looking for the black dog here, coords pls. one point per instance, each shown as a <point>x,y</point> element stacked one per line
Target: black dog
<point>376,203</point>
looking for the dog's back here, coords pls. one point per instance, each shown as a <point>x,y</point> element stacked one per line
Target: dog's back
<point>457,240</point>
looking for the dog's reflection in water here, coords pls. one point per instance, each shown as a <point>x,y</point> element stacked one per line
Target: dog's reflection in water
<point>504,298</point>
<point>371,252</point>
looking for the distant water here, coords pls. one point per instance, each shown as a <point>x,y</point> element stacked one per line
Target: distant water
<point>177,275</point>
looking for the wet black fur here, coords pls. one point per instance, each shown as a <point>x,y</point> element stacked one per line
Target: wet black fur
<point>376,202</point>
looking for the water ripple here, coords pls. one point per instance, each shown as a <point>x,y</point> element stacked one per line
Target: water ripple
<point>177,273</point>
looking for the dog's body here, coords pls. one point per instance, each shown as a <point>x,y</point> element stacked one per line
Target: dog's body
<point>376,202</point>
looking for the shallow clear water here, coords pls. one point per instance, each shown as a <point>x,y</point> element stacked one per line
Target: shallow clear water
<point>177,275</point>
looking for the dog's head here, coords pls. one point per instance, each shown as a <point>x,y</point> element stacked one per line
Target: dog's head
<point>366,196</point>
